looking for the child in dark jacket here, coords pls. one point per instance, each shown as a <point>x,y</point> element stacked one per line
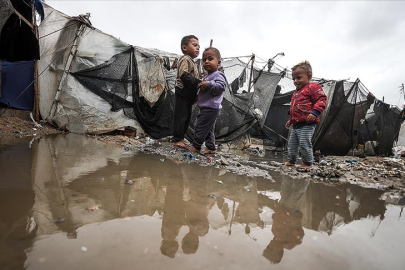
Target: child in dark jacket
<point>209,102</point>
<point>186,88</point>
<point>307,103</point>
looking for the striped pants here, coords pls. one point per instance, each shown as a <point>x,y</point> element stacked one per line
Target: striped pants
<point>300,140</point>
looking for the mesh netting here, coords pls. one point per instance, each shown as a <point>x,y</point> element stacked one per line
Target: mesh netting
<point>110,80</point>
<point>381,126</point>
<point>137,83</point>
<point>117,81</point>
<point>338,131</point>
<point>243,109</point>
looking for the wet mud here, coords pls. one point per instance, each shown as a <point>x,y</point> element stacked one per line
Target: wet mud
<point>71,201</point>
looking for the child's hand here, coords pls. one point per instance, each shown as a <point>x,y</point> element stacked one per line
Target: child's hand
<point>311,118</point>
<point>202,85</point>
<point>288,124</point>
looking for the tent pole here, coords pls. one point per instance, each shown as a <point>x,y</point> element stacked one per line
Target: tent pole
<point>67,70</point>
<point>24,19</point>
<point>251,72</point>
<point>36,84</point>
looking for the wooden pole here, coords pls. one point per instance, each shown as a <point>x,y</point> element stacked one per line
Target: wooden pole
<point>36,83</point>
<point>24,19</point>
<point>211,43</point>
<point>251,72</point>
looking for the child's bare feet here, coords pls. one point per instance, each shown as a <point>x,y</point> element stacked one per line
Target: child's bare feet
<point>193,149</point>
<point>180,144</point>
<point>289,164</point>
<point>305,167</point>
<point>208,152</point>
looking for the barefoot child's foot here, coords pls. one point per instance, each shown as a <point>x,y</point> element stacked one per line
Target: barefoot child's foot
<point>193,149</point>
<point>289,164</point>
<point>180,144</point>
<point>208,152</point>
<point>305,166</point>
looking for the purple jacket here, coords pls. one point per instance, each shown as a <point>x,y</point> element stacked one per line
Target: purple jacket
<point>214,89</point>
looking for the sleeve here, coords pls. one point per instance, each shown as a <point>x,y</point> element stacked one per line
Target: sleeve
<point>184,66</point>
<point>189,81</point>
<point>319,100</point>
<point>217,85</point>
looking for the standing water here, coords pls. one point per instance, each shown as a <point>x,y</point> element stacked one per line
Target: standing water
<point>72,202</point>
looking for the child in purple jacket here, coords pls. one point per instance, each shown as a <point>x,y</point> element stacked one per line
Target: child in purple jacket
<point>210,96</point>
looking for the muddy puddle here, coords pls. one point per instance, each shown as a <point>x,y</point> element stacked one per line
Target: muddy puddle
<point>72,202</point>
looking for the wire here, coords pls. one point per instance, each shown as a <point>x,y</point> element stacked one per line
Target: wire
<point>59,30</point>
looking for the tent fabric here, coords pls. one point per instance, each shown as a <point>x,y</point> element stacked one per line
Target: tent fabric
<point>338,131</point>
<point>382,125</point>
<point>6,9</point>
<point>17,40</point>
<point>77,108</point>
<point>17,79</point>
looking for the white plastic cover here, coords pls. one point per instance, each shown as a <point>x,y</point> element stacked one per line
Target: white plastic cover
<point>78,109</point>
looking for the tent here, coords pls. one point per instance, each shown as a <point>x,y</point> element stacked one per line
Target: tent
<point>91,82</point>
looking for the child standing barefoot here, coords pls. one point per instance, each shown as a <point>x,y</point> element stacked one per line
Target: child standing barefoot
<point>209,101</point>
<point>186,88</point>
<point>307,103</point>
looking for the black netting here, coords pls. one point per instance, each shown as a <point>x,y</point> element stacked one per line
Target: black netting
<point>337,133</point>
<point>381,126</point>
<point>241,111</point>
<point>117,81</point>
<point>110,80</point>
<point>233,121</point>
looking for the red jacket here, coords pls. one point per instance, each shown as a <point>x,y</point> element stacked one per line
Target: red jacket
<point>307,100</point>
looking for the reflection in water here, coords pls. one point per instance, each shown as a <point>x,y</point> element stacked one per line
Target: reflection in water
<point>287,227</point>
<point>17,225</point>
<point>65,183</point>
<point>186,203</point>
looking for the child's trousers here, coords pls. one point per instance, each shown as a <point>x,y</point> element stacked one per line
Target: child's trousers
<point>182,115</point>
<point>300,140</point>
<point>204,128</point>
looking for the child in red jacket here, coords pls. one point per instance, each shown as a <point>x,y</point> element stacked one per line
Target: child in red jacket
<point>307,103</point>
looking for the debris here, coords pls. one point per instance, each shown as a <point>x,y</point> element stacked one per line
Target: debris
<point>83,249</point>
<point>59,220</point>
<point>94,208</point>
<point>224,161</point>
<point>129,182</point>
<point>219,181</point>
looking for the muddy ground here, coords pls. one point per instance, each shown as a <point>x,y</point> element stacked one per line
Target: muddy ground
<point>372,171</point>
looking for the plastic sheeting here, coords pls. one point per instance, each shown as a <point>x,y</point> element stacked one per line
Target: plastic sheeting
<point>77,109</point>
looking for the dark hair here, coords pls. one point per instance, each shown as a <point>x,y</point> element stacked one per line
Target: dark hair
<point>185,40</point>
<point>305,65</point>
<point>216,51</point>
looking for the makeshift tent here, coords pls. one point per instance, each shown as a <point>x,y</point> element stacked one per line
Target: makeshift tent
<point>337,132</point>
<point>382,127</point>
<point>241,109</point>
<point>17,87</point>
<point>95,83</point>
